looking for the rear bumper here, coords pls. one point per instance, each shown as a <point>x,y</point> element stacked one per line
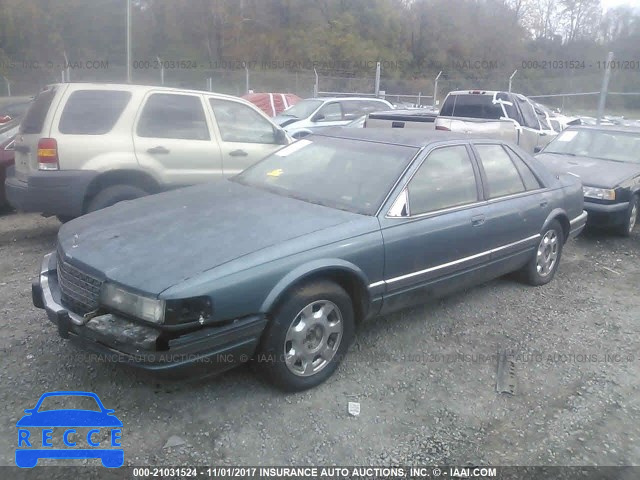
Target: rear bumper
<point>606,215</point>
<point>577,224</point>
<point>56,192</point>
<point>117,339</point>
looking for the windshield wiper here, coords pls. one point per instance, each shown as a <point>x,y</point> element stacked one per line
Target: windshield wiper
<point>561,153</point>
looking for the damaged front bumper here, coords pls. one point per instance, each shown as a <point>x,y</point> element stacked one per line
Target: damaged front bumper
<point>117,339</point>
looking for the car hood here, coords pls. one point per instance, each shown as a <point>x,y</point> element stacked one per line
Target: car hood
<point>284,120</point>
<point>69,418</point>
<point>155,242</point>
<point>592,171</point>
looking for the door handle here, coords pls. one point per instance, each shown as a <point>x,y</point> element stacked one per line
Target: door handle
<point>238,153</point>
<point>158,149</point>
<point>544,203</point>
<point>477,220</point>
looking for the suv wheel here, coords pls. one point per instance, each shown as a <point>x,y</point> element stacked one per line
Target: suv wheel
<point>114,194</point>
<point>543,266</point>
<point>307,337</point>
<point>626,229</point>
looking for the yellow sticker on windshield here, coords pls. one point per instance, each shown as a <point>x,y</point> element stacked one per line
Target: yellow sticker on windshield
<point>275,173</point>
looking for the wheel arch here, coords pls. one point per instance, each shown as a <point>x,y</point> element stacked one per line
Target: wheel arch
<point>131,177</point>
<point>351,278</point>
<point>561,216</point>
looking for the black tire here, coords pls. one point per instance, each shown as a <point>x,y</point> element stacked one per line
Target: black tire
<point>626,229</point>
<point>269,361</point>
<point>532,273</point>
<point>114,194</point>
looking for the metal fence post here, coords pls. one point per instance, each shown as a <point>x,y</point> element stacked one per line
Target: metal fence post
<point>315,85</point>
<point>6,80</point>
<point>511,79</point>
<point>377,81</point>
<point>435,90</point>
<point>161,70</point>
<point>605,87</point>
<point>246,74</point>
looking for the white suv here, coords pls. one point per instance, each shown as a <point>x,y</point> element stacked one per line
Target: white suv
<point>82,147</point>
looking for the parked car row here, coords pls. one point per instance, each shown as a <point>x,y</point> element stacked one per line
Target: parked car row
<point>290,244</point>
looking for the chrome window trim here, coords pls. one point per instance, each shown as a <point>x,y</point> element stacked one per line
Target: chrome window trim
<point>438,212</point>
<point>454,262</point>
<point>517,195</point>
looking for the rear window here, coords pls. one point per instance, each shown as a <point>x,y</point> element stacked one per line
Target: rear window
<point>475,106</point>
<point>33,121</point>
<point>92,112</point>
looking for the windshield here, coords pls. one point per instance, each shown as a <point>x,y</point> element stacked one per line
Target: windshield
<point>302,109</point>
<point>604,144</point>
<point>350,175</point>
<point>69,402</point>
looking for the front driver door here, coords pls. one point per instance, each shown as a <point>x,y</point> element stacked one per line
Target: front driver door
<point>245,135</point>
<point>432,244</point>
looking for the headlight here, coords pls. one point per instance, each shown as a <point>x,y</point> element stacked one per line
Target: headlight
<point>599,193</point>
<point>138,306</point>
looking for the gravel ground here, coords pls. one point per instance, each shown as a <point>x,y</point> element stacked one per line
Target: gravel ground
<point>425,378</point>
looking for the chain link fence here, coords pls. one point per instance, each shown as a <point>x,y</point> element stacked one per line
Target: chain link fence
<point>570,91</point>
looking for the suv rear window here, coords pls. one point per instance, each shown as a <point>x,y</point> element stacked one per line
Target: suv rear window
<point>471,106</point>
<point>33,121</point>
<point>92,112</point>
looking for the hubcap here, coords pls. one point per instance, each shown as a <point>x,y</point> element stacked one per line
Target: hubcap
<point>634,216</point>
<point>547,253</point>
<point>313,338</point>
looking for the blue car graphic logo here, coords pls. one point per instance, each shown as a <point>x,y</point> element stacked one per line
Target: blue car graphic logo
<point>39,429</point>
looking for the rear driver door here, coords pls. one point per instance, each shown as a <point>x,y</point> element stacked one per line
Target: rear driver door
<point>173,139</point>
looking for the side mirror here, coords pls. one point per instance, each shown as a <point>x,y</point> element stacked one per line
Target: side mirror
<point>317,117</point>
<point>281,137</point>
<point>537,149</point>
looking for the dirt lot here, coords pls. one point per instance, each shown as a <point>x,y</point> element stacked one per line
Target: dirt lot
<point>425,378</point>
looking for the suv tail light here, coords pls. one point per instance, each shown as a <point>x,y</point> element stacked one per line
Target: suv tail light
<point>444,129</point>
<point>48,154</point>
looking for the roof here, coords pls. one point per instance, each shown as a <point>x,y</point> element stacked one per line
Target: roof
<point>347,98</point>
<point>607,128</point>
<point>141,87</point>
<point>397,136</point>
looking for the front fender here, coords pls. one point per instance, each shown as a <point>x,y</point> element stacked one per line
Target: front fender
<point>312,268</point>
<point>560,215</point>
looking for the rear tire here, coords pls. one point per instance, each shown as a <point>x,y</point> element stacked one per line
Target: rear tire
<point>626,229</point>
<point>543,266</point>
<point>112,195</point>
<point>307,337</point>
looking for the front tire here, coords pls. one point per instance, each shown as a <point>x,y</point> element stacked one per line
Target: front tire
<point>626,229</point>
<point>307,337</point>
<point>543,266</point>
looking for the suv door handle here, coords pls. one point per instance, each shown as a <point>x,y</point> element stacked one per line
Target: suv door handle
<point>477,220</point>
<point>238,153</point>
<point>158,149</point>
<point>544,203</point>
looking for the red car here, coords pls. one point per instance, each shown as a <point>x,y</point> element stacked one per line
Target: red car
<point>7,136</point>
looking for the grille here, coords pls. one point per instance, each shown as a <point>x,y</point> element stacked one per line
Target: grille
<point>80,292</point>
